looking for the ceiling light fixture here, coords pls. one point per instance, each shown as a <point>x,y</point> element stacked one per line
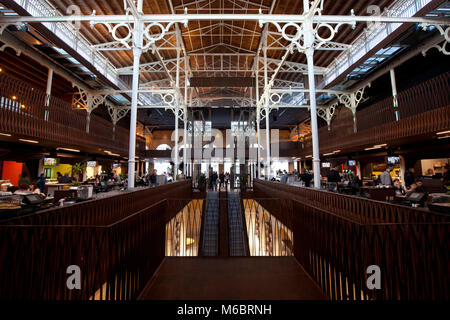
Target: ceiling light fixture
<point>443,132</point>
<point>68,149</point>
<point>30,141</point>
<point>5,134</point>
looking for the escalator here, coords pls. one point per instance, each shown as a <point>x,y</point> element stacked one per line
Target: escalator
<point>223,231</point>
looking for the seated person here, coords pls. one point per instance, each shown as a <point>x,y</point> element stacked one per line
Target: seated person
<point>34,188</point>
<point>420,187</point>
<point>399,191</point>
<point>4,190</point>
<point>59,177</point>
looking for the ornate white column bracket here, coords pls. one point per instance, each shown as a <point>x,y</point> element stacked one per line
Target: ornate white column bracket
<point>445,33</point>
<point>88,101</point>
<point>116,113</point>
<point>352,101</point>
<point>327,113</point>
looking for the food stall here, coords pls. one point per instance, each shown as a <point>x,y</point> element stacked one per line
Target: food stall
<point>93,169</point>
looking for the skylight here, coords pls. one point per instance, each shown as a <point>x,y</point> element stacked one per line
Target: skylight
<point>375,61</point>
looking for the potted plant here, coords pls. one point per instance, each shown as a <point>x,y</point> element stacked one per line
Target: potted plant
<point>202,183</point>
<point>78,169</point>
<point>243,180</point>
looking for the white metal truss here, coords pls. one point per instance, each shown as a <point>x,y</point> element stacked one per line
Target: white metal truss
<point>152,67</point>
<point>289,67</point>
<point>445,33</point>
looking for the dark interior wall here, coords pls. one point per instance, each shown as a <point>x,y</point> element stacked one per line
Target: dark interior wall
<point>409,74</point>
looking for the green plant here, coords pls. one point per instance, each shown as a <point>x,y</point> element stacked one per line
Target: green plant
<point>76,183</point>
<point>201,179</point>
<point>78,169</point>
<point>243,180</point>
<point>201,182</point>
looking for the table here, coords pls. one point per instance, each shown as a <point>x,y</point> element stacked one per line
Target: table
<point>51,187</point>
<point>380,194</point>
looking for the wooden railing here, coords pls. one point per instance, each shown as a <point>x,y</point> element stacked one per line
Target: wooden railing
<point>24,113</point>
<point>336,238</point>
<point>107,210</point>
<point>422,109</point>
<point>116,242</point>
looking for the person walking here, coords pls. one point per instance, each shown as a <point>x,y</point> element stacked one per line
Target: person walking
<point>214,181</point>
<point>334,178</point>
<point>385,176</point>
<point>306,178</point>
<point>222,180</point>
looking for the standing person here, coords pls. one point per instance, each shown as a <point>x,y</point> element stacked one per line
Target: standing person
<point>116,177</point>
<point>153,178</point>
<point>227,180</point>
<point>334,178</point>
<point>41,182</point>
<point>385,177</point>
<point>446,176</point>
<point>409,178</point>
<point>214,181</point>
<point>306,178</point>
<point>232,179</point>
<point>222,180</point>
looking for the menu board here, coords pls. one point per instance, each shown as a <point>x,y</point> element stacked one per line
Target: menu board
<point>50,161</point>
<point>91,163</point>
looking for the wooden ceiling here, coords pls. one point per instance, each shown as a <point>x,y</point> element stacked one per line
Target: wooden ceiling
<point>219,36</point>
<point>204,39</point>
<point>28,70</point>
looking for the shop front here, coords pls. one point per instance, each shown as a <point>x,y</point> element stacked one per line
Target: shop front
<point>93,169</point>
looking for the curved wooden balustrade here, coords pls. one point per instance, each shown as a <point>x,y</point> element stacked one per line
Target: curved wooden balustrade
<point>336,237</point>
<point>354,208</point>
<point>23,113</point>
<point>422,109</point>
<point>117,242</point>
<point>106,210</point>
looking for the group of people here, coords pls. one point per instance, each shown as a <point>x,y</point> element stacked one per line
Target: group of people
<point>25,185</point>
<point>222,179</point>
<point>348,178</point>
<point>149,179</point>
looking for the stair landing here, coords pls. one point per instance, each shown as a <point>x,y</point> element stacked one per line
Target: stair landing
<point>231,278</point>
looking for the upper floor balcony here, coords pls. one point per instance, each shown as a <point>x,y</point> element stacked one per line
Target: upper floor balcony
<point>28,113</point>
<point>421,111</point>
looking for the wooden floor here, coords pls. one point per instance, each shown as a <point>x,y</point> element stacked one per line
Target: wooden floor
<point>218,278</point>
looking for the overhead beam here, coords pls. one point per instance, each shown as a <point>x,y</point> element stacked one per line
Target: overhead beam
<point>230,82</point>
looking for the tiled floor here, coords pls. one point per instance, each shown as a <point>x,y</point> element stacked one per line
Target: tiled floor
<point>244,278</point>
